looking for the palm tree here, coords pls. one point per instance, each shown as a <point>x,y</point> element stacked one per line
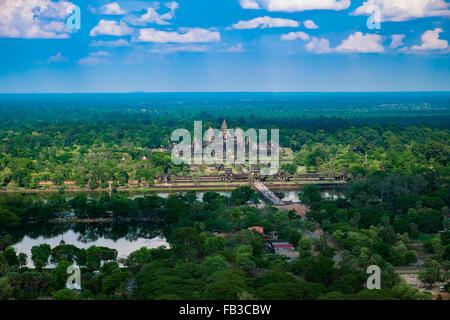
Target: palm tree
<point>355,219</point>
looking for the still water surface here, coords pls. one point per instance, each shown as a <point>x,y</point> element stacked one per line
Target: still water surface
<point>124,237</point>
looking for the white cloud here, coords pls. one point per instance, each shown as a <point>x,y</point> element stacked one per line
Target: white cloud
<point>397,41</point>
<point>111,28</point>
<point>89,61</point>
<point>249,4</point>
<point>187,48</point>
<point>309,24</point>
<point>319,45</point>
<point>295,35</point>
<point>112,9</point>
<point>295,5</point>
<point>94,58</point>
<point>236,48</point>
<point>58,58</point>
<point>358,42</point>
<point>100,54</point>
<point>33,19</point>
<point>185,35</point>
<point>55,26</point>
<point>431,41</point>
<point>152,16</point>
<point>403,10</point>
<point>265,22</point>
<point>111,44</point>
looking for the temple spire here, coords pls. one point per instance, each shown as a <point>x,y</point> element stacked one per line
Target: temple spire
<point>224,127</point>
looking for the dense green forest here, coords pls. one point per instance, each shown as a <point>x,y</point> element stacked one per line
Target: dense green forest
<point>397,195</point>
<point>200,265</point>
<point>91,141</point>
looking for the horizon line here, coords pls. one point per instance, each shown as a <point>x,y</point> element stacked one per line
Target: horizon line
<point>155,92</point>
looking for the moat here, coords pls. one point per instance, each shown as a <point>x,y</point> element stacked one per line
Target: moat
<point>125,237</point>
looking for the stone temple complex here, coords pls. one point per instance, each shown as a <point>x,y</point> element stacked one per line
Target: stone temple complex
<point>225,172</point>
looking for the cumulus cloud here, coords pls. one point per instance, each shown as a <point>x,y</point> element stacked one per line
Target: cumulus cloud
<point>295,35</point>
<point>431,41</point>
<point>184,35</point>
<point>110,44</point>
<point>319,45</point>
<point>265,22</point>
<point>249,4</point>
<point>363,43</point>
<point>112,9</point>
<point>111,28</point>
<point>295,5</point>
<point>403,10</point>
<point>357,42</point>
<point>34,19</point>
<point>309,24</point>
<point>152,16</point>
<point>397,40</point>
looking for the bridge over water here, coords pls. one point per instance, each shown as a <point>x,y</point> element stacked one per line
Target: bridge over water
<point>267,194</point>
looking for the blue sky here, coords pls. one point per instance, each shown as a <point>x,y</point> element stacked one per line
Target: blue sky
<point>224,45</point>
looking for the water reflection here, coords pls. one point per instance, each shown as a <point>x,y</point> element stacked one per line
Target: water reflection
<point>124,237</point>
<point>288,195</point>
<point>291,195</point>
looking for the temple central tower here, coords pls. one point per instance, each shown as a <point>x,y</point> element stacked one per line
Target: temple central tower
<point>224,128</point>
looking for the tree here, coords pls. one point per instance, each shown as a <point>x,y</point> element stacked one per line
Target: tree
<point>66,294</point>
<point>138,258</point>
<point>429,220</point>
<point>225,285</point>
<point>407,292</point>
<point>430,273</point>
<point>289,168</point>
<point>107,254</point>
<point>60,275</point>
<point>114,281</point>
<point>22,257</point>
<point>6,290</point>
<point>65,252</point>
<point>159,279</point>
<point>349,283</point>
<point>93,258</point>
<point>214,245</point>
<point>304,248</point>
<point>291,291</point>
<point>241,195</point>
<point>186,243</point>
<point>310,195</point>
<point>175,206</point>
<point>210,196</point>
<point>5,241</point>
<point>110,267</point>
<point>320,269</point>
<point>5,176</point>
<point>272,277</point>
<point>40,255</point>
<point>212,264</point>
<point>355,219</point>
<point>11,257</point>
